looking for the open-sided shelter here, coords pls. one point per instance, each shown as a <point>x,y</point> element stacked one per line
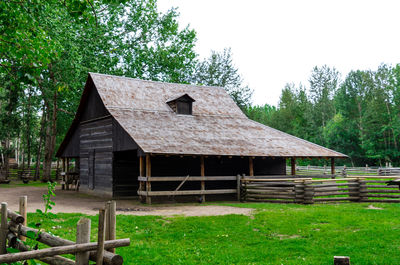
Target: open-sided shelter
<point>129,135</point>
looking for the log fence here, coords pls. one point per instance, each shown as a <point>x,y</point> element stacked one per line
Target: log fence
<point>343,171</point>
<point>12,226</point>
<point>310,190</point>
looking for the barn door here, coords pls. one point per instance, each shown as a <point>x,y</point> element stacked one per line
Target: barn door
<point>91,169</point>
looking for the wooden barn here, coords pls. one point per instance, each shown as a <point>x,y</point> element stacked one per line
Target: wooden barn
<point>133,137</point>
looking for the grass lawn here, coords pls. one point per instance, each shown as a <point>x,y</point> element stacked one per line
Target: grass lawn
<point>19,183</point>
<point>275,234</point>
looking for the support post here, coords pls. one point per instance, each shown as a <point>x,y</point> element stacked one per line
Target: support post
<point>83,236</point>
<point>100,237</point>
<point>23,208</point>
<point>67,181</point>
<point>148,175</point>
<point>202,173</point>
<point>251,167</point>
<point>3,229</point>
<point>333,166</point>
<point>293,166</point>
<point>141,174</point>
<point>63,174</point>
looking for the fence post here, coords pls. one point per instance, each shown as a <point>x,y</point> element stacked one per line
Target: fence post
<point>341,260</point>
<point>244,188</point>
<point>100,238</point>
<point>23,208</point>
<point>308,192</point>
<point>3,229</point>
<point>238,186</point>
<point>111,221</point>
<point>356,197</point>
<point>299,192</point>
<point>83,236</point>
<point>344,171</point>
<point>363,190</point>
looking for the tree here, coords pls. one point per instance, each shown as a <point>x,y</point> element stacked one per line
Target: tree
<point>323,84</point>
<point>128,38</point>
<point>262,114</point>
<point>219,70</point>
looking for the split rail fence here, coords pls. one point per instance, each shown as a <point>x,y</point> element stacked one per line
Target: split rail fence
<point>13,233</point>
<point>343,171</point>
<point>309,190</point>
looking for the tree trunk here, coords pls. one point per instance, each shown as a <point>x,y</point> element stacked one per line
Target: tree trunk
<point>29,131</point>
<point>39,151</point>
<point>7,158</point>
<point>51,131</point>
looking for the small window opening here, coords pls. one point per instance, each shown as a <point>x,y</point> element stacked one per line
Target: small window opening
<point>182,105</point>
<point>184,108</point>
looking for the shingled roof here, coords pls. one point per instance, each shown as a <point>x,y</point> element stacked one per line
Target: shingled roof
<point>217,126</point>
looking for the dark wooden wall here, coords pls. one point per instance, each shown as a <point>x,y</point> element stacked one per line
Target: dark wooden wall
<point>121,139</point>
<point>96,137</point>
<point>72,149</point>
<point>269,166</point>
<point>125,173</point>
<point>94,107</point>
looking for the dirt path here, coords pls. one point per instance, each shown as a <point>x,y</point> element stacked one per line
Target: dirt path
<point>76,202</point>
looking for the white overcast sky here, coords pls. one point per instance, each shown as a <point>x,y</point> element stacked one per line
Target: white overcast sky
<point>277,42</point>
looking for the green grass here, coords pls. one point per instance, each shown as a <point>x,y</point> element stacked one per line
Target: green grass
<point>19,183</point>
<point>275,234</point>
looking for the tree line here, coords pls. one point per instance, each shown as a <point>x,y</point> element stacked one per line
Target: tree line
<point>47,48</point>
<point>358,116</point>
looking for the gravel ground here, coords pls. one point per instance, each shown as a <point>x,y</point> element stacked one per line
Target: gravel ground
<point>77,202</point>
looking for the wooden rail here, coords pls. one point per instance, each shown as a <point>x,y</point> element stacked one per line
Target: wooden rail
<point>308,191</point>
<point>324,171</point>
<point>208,178</point>
<point>12,226</point>
<point>145,192</point>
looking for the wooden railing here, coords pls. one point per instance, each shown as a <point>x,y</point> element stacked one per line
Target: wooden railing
<point>343,171</point>
<point>24,174</point>
<point>308,190</point>
<point>181,180</point>
<point>13,226</point>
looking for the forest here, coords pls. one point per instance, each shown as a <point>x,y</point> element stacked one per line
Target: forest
<point>47,48</point>
<point>358,116</point>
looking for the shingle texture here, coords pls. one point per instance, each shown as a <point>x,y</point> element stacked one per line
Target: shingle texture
<point>217,126</point>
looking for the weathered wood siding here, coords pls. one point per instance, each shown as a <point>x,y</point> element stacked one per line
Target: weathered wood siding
<point>97,136</point>
<point>94,107</point>
<point>72,149</point>
<point>122,141</point>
